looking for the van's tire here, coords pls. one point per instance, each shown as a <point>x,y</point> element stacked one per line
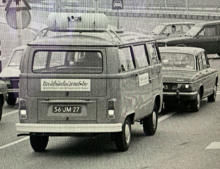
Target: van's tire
<point>1,105</point>
<point>11,99</point>
<point>150,123</point>
<point>123,138</point>
<point>195,105</point>
<point>212,97</point>
<point>39,143</point>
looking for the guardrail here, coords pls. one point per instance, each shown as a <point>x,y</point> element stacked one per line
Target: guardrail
<point>155,12</point>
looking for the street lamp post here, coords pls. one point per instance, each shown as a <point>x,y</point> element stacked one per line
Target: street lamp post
<point>187,5</point>
<point>96,6</point>
<point>165,3</point>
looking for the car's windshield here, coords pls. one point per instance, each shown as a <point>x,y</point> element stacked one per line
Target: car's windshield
<point>16,58</point>
<point>193,31</point>
<point>158,29</point>
<point>181,61</point>
<point>67,62</point>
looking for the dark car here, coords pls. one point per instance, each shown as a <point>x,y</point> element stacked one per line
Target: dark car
<point>187,76</point>
<point>205,35</point>
<point>173,29</point>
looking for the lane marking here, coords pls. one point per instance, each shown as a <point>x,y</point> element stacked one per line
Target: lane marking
<point>9,113</point>
<point>165,117</point>
<point>213,146</point>
<point>13,143</point>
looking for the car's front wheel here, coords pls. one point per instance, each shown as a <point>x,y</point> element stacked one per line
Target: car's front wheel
<point>212,97</point>
<point>150,123</point>
<point>123,138</point>
<point>196,103</point>
<point>39,143</point>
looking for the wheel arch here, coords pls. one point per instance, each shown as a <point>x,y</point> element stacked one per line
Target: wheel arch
<point>201,91</point>
<point>158,102</point>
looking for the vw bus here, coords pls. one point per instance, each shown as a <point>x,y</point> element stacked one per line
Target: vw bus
<point>85,77</point>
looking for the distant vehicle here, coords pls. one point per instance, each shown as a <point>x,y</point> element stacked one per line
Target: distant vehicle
<point>3,90</point>
<point>173,29</point>
<point>10,75</point>
<point>93,80</point>
<point>187,76</point>
<point>205,35</point>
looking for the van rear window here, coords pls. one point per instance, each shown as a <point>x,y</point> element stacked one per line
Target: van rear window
<point>67,62</point>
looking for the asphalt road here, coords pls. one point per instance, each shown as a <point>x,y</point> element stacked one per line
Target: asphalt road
<point>181,142</point>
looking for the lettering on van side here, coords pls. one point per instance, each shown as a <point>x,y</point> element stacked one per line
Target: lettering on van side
<point>143,79</point>
<point>65,85</point>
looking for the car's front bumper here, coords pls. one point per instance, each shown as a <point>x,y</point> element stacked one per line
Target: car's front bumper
<point>13,90</point>
<point>182,96</point>
<point>68,128</point>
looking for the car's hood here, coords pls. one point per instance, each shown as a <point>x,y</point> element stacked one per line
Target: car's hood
<point>178,76</point>
<point>10,72</point>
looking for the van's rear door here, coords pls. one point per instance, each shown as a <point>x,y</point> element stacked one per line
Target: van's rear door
<point>65,84</point>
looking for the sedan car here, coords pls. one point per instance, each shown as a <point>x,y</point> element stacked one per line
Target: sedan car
<point>173,29</point>
<point>10,75</point>
<point>187,76</point>
<point>204,35</point>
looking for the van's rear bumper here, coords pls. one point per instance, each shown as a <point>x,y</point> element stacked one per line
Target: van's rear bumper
<point>68,128</point>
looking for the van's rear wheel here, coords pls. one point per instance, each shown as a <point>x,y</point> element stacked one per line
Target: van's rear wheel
<point>39,143</point>
<point>150,123</point>
<point>11,99</point>
<point>123,138</point>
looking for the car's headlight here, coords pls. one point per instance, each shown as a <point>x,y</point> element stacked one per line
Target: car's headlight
<point>184,87</point>
<point>165,87</point>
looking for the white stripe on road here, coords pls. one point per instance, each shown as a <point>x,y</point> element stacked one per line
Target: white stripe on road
<point>213,146</point>
<point>13,143</point>
<point>164,117</point>
<point>10,113</point>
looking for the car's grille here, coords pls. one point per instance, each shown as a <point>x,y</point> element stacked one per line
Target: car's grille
<point>169,87</point>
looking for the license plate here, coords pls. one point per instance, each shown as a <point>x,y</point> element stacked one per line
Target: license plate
<point>66,109</point>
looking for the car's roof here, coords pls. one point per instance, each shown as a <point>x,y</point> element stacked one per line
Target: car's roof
<point>177,23</point>
<point>208,23</point>
<point>178,49</point>
<point>105,38</point>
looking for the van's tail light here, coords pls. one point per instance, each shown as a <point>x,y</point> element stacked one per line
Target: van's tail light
<point>111,108</point>
<point>22,109</point>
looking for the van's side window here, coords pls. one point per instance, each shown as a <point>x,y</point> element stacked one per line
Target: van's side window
<point>152,52</point>
<point>125,57</point>
<point>140,56</point>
